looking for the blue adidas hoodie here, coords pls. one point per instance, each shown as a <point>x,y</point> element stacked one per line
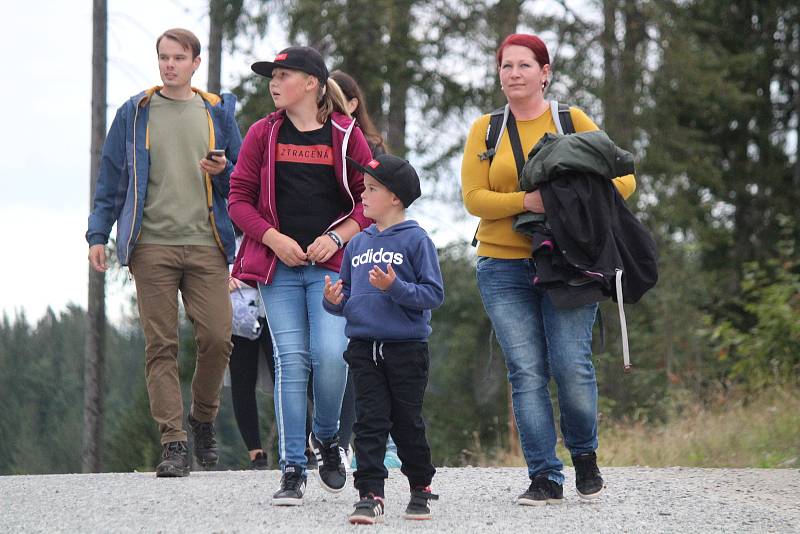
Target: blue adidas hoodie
<point>403,312</point>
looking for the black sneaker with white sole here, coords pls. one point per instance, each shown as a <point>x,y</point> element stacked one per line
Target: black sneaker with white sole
<point>588,481</point>
<point>293,486</point>
<point>367,511</point>
<point>174,460</point>
<point>542,491</point>
<point>331,471</point>
<point>419,507</point>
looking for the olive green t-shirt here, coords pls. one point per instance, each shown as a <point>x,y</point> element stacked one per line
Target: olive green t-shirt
<point>176,209</point>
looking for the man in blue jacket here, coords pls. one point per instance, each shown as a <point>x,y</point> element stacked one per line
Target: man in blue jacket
<point>164,179</point>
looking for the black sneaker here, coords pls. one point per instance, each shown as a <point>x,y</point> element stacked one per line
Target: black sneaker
<point>311,460</point>
<point>331,472</point>
<point>588,481</point>
<point>205,442</point>
<point>542,491</point>
<point>174,460</point>
<point>260,462</point>
<point>367,511</point>
<point>419,507</point>
<point>293,485</point>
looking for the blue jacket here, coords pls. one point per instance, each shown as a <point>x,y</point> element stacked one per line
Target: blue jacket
<point>403,312</point>
<point>125,169</point>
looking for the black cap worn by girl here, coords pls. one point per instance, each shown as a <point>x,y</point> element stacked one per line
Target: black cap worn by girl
<point>302,58</point>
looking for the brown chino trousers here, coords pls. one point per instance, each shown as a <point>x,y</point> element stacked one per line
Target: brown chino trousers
<point>200,273</point>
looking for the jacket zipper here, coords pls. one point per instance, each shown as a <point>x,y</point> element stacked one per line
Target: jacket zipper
<point>209,188</point>
<point>135,186</point>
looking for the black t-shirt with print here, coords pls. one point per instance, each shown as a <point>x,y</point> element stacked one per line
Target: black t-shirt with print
<point>307,193</point>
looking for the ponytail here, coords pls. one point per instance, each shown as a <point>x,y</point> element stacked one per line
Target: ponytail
<point>329,99</point>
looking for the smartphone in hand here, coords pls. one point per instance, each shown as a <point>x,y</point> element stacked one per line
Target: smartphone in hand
<point>215,152</point>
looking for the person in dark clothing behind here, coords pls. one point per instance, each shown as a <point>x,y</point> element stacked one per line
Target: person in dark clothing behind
<point>356,105</point>
<point>388,314</point>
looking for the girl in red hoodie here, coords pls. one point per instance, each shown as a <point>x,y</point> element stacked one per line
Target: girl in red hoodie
<point>298,203</point>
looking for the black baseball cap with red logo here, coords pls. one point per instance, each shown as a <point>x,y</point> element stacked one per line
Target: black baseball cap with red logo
<point>302,58</point>
<point>395,173</point>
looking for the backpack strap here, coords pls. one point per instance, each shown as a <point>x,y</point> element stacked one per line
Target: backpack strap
<point>497,125</point>
<point>562,118</point>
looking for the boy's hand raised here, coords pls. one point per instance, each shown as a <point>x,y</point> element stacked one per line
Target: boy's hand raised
<point>333,292</point>
<point>382,280</point>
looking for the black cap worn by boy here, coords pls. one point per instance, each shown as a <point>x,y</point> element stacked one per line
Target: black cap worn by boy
<point>302,58</point>
<point>396,174</point>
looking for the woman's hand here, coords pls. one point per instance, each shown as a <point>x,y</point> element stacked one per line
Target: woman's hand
<point>286,248</point>
<point>321,249</point>
<point>233,284</point>
<point>533,202</point>
<point>333,292</point>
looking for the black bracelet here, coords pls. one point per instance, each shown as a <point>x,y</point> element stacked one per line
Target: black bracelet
<point>336,239</point>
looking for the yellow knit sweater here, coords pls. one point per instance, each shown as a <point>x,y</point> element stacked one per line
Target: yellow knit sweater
<point>492,193</point>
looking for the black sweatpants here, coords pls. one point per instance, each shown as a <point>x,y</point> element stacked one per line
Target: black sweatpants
<point>389,380</point>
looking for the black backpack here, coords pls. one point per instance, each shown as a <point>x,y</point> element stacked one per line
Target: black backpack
<point>502,119</point>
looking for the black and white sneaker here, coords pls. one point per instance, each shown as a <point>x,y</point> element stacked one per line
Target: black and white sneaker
<point>419,507</point>
<point>367,511</point>
<point>542,491</point>
<point>331,472</point>
<point>293,486</point>
<point>588,481</point>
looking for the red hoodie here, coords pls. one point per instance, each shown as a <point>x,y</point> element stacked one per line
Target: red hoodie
<point>251,201</point>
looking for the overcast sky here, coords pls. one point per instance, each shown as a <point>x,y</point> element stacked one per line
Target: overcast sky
<point>46,135</point>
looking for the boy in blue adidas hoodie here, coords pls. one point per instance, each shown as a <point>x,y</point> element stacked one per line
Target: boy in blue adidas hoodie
<point>389,283</point>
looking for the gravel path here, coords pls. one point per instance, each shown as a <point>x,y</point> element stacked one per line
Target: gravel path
<point>472,500</point>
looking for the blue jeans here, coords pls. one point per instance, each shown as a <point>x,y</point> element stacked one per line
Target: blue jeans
<point>305,337</point>
<point>540,341</point>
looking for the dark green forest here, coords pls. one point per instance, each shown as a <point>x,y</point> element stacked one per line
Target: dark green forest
<point>705,93</point>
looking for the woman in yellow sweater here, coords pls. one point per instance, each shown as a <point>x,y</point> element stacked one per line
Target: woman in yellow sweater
<point>539,341</point>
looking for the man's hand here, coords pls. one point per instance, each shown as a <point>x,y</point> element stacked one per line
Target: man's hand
<point>333,292</point>
<point>382,280</point>
<point>321,249</point>
<point>97,258</point>
<point>286,248</point>
<point>215,165</point>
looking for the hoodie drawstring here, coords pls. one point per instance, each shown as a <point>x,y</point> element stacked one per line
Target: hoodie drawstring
<point>377,350</point>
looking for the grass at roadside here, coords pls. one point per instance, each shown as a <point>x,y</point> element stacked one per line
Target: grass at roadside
<point>763,432</point>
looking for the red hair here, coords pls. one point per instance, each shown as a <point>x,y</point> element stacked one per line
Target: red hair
<point>533,43</point>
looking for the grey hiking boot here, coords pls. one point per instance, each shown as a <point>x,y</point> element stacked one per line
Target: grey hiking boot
<point>174,460</point>
<point>205,442</point>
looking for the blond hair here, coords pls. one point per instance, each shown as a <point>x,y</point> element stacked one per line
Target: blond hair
<point>330,98</point>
